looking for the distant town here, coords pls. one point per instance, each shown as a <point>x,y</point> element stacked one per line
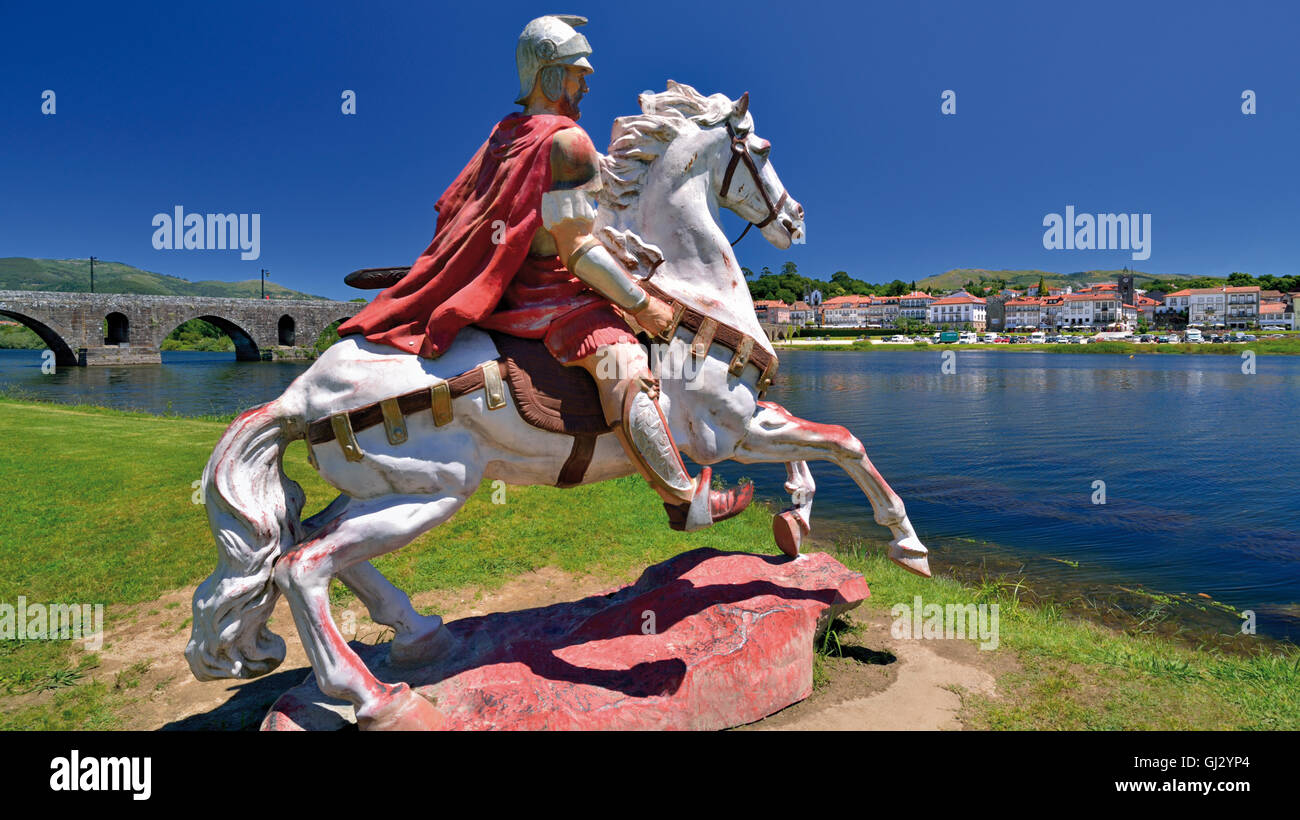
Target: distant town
<point>1112,307</point>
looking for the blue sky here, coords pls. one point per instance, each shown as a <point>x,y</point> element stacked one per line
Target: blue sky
<point>235,107</point>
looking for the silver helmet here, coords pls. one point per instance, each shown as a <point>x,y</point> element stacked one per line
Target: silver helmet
<point>546,41</point>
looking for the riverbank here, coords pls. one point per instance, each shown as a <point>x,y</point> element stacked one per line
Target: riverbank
<point>99,508</point>
<point>1268,347</point>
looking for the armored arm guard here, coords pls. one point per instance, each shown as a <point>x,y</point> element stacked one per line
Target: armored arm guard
<point>601,271</point>
<point>568,214</point>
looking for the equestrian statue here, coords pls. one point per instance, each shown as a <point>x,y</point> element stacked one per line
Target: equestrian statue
<point>577,317</point>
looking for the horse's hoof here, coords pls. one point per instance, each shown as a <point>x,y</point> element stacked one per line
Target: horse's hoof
<point>910,554</point>
<point>421,649</point>
<point>788,530</point>
<point>402,710</point>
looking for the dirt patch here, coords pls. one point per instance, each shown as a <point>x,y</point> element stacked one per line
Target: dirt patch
<point>882,682</point>
<point>878,683</point>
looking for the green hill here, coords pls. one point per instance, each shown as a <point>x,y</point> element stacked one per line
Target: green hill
<point>1021,279</point>
<point>73,276</point>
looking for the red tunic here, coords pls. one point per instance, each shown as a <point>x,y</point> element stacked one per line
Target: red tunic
<point>465,277</point>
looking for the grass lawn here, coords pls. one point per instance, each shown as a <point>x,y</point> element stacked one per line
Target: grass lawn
<point>97,507</point>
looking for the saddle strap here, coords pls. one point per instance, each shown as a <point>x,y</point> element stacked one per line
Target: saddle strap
<point>417,401</point>
<point>392,413</point>
<point>710,331</point>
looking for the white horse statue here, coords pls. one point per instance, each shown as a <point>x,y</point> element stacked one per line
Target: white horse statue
<point>669,170</point>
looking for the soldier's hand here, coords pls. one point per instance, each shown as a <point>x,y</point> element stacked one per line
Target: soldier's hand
<point>655,317</point>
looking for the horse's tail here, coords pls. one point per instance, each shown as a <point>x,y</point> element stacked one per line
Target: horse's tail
<point>253,509</point>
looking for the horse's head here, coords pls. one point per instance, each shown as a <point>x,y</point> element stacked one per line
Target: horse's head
<point>746,182</point>
<point>706,146</point>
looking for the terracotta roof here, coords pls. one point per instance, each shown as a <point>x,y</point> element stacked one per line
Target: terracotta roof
<point>850,299</point>
<point>1090,297</point>
<point>960,300</point>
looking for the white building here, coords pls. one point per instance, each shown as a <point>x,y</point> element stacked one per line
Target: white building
<point>958,310</point>
<point>915,305</point>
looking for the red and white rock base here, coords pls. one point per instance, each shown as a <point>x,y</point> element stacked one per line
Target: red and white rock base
<point>705,640</point>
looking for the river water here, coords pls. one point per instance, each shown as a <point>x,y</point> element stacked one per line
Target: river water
<point>998,462</point>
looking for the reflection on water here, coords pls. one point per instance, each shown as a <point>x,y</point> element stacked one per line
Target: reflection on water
<point>188,384</point>
<point>997,461</point>
<point>1194,456</point>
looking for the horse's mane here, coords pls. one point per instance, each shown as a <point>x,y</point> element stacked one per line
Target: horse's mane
<point>638,140</point>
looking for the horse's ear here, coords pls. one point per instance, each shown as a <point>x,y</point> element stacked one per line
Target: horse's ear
<point>742,105</point>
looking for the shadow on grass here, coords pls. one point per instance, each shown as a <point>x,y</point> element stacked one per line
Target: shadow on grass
<point>245,710</point>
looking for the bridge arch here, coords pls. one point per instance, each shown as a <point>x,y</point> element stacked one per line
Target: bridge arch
<point>117,329</point>
<point>246,350</point>
<point>285,331</point>
<point>64,355</point>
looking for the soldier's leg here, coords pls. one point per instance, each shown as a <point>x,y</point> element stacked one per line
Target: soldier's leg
<point>629,396</point>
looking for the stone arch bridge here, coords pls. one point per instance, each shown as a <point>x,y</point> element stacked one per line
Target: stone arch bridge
<point>121,328</point>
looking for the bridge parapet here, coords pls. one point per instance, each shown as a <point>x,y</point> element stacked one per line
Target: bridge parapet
<point>74,324</point>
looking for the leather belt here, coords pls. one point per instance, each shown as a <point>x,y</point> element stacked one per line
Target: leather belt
<point>710,331</point>
<point>417,401</point>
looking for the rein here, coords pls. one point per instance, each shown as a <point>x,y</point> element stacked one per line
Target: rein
<point>740,153</point>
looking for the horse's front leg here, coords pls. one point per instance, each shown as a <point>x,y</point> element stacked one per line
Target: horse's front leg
<point>791,525</point>
<point>775,435</point>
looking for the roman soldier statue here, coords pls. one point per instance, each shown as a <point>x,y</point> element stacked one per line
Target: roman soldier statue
<point>513,252</point>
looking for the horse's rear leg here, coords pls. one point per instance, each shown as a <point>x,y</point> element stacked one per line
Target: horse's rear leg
<point>417,639</point>
<point>775,435</point>
<point>365,530</point>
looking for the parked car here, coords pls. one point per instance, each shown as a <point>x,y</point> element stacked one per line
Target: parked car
<point>1146,338</point>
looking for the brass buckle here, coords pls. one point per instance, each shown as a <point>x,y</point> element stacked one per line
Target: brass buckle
<point>678,310</point>
<point>394,422</point>
<point>493,389</point>
<point>741,358</point>
<point>769,376</point>
<point>704,338</point>
<point>440,402</point>
<point>342,425</point>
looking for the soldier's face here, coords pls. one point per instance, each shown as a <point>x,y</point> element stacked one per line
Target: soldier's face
<point>575,86</point>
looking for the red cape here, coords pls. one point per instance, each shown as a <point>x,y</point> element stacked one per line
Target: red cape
<point>461,276</point>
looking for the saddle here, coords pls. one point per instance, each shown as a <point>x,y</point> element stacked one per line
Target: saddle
<point>548,395</point>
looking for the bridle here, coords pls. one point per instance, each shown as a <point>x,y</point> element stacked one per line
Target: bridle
<point>740,153</point>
